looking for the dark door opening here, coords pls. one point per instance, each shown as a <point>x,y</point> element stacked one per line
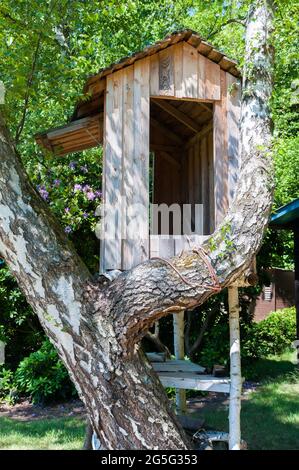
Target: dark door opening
<point>181,164</point>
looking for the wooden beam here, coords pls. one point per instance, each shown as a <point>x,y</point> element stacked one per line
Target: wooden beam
<point>166,148</point>
<point>179,115</point>
<point>206,108</point>
<point>235,370</point>
<point>166,131</point>
<point>200,134</point>
<point>170,159</point>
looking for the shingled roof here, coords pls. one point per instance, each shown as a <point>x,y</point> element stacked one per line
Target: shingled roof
<point>187,35</point>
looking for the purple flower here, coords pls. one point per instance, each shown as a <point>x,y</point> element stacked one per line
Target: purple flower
<point>84,169</point>
<point>85,215</point>
<point>77,187</point>
<point>56,183</point>
<point>98,194</point>
<point>67,209</point>
<point>43,192</point>
<point>68,229</point>
<point>86,188</point>
<point>90,195</point>
<point>72,165</point>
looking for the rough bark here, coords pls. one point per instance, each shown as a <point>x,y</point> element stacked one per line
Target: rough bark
<point>96,327</point>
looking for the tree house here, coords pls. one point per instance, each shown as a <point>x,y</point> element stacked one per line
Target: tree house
<point>168,121</point>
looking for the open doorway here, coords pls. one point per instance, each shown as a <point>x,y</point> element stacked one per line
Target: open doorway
<point>181,145</point>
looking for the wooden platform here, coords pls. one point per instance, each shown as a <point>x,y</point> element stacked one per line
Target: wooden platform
<point>189,376</point>
<point>195,381</point>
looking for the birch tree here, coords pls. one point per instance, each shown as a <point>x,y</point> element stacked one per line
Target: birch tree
<point>97,326</point>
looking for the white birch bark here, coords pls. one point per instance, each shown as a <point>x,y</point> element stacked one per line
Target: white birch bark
<point>235,370</point>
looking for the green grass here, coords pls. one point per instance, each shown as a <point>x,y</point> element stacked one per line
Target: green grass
<point>269,419</point>
<point>270,415</point>
<point>43,434</point>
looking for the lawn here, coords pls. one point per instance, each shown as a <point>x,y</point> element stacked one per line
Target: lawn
<point>270,415</point>
<point>42,434</point>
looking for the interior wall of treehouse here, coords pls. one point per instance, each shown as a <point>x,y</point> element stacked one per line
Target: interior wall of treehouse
<point>198,182</point>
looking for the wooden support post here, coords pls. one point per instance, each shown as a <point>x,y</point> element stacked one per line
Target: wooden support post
<point>179,351</point>
<point>235,370</point>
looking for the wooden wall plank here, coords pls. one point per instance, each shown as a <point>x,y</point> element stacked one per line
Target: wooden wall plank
<point>178,69</point>
<point>140,166</point>
<point>233,131</point>
<point>197,186</point>
<point>111,253</point>
<point>212,80</point>
<point>128,183</point>
<point>205,184</point>
<point>190,71</point>
<point>166,72</point>
<point>154,75</point>
<point>220,153</point>
<point>211,182</point>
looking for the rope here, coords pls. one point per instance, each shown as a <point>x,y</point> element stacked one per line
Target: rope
<point>204,257</point>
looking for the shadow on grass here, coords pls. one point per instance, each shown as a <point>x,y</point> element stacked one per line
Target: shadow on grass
<point>269,368</point>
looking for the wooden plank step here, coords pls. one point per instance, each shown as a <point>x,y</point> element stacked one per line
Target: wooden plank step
<point>195,381</point>
<point>177,365</point>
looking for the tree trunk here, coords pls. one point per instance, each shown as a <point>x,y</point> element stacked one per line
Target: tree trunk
<point>235,370</point>
<point>96,327</point>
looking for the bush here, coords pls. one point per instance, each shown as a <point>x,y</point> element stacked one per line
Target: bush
<point>273,335</point>
<point>43,376</point>
<point>8,391</point>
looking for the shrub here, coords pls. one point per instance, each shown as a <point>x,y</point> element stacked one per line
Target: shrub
<point>43,376</point>
<point>8,391</point>
<point>273,335</point>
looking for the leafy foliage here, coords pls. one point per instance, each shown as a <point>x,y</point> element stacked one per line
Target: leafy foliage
<point>43,377</point>
<point>273,335</point>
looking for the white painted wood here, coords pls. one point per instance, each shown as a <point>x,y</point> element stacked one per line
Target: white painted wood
<point>177,366</point>
<point>179,351</point>
<point>233,131</point>
<point>193,381</point>
<point>235,370</point>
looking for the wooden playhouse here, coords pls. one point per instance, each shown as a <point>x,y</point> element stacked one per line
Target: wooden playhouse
<point>168,120</point>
